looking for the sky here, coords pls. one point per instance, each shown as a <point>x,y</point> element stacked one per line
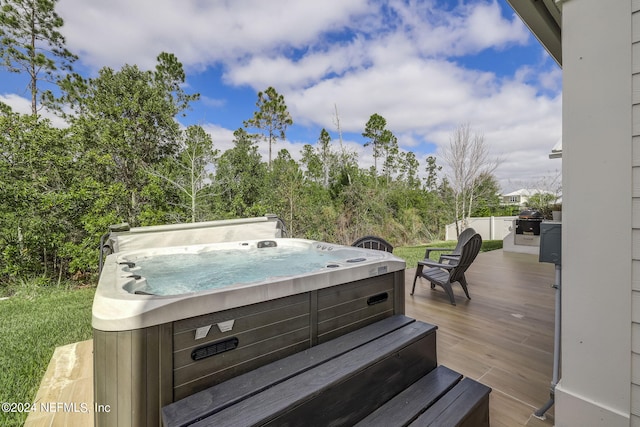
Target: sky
<point>426,66</point>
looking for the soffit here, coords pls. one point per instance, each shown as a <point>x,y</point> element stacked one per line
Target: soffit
<point>544,19</point>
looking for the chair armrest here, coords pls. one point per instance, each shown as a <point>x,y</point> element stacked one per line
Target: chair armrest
<point>429,263</point>
<point>429,250</point>
<point>449,257</point>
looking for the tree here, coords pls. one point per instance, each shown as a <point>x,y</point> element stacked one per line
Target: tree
<point>312,163</point>
<point>391,153</point>
<point>39,207</point>
<point>272,117</point>
<point>319,161</point>
<point>432,169</point>
<point>383,142</point>
<point>286,190</point>
<point>374,130</point>
<point>31,42</point>
<point>346,159</point>
<point>487,199</point>
<point>240,176</point>
<point>326,156</point>
<point>128,116</point>
<point>187,171</point>
<point>408,165</point>
<point>468,160</point>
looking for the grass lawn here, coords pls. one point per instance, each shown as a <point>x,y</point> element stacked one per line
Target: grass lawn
<point>413,254</point>
<point>37,319</point>
<point>33,324</point>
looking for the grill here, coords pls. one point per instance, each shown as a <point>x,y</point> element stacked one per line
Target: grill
<point>528,222</point>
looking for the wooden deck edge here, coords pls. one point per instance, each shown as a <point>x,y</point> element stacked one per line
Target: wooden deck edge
<point>65,395</point>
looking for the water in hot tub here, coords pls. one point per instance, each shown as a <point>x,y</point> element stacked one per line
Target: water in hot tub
<point>180,273</point>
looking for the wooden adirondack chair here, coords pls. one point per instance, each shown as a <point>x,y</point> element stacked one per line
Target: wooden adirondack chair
<point>445,275</point>
<point>463,238</point>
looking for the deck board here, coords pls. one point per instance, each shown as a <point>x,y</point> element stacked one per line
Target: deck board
<point>502,337</point>
<point>67,380</point>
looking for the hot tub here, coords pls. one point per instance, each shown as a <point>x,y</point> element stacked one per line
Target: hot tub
<point>173,320</point>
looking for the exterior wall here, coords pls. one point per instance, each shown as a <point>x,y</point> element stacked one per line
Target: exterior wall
<point>595,388</point>
<point>635,271</point>
<point>490,228</point>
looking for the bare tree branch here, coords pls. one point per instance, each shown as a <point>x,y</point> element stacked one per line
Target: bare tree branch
<point>468,160</point>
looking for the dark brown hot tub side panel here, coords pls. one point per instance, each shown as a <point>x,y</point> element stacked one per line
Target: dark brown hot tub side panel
<point>138,372</point>
<point>273,329</point>
<point>265,332</point>
<point>133,376</point>
<point>345,308</point>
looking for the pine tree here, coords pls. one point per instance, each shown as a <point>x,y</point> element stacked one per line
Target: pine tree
<point>30,42</point>
<point>272,117</point>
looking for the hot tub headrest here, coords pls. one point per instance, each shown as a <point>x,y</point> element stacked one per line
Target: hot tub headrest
<point>267,227</point>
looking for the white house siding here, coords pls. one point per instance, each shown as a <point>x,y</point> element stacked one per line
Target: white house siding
<point>635,270</point>
<point>600,304</point>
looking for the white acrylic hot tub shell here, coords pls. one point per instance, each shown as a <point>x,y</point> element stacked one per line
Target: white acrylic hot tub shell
<point>115,309</point>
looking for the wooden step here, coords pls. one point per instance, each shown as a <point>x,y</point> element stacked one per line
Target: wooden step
<point>414,400</point>
<point>466,405</point>
<point>214,399</point>
<point>342,390</point>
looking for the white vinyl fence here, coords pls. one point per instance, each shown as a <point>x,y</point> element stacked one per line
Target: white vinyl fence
<point>490,228</point>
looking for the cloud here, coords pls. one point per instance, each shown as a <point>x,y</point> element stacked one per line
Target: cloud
<point>551,80</point>
<point>484,27</point>
<point>288,73</point>
<point>397,58</point>
<point>198,32</point>
<point>17,103</point>
<point>212,102</point>
<point>222,138</point>
<point>467,28</point>
<point>22,105</point>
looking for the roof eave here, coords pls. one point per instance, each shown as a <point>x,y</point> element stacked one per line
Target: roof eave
<point>544,19</point>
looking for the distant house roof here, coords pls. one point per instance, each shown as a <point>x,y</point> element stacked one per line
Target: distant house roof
<point>525,192</point>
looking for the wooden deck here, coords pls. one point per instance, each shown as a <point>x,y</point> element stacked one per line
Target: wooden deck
<point>65,396</point>
<point>503,338</point>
